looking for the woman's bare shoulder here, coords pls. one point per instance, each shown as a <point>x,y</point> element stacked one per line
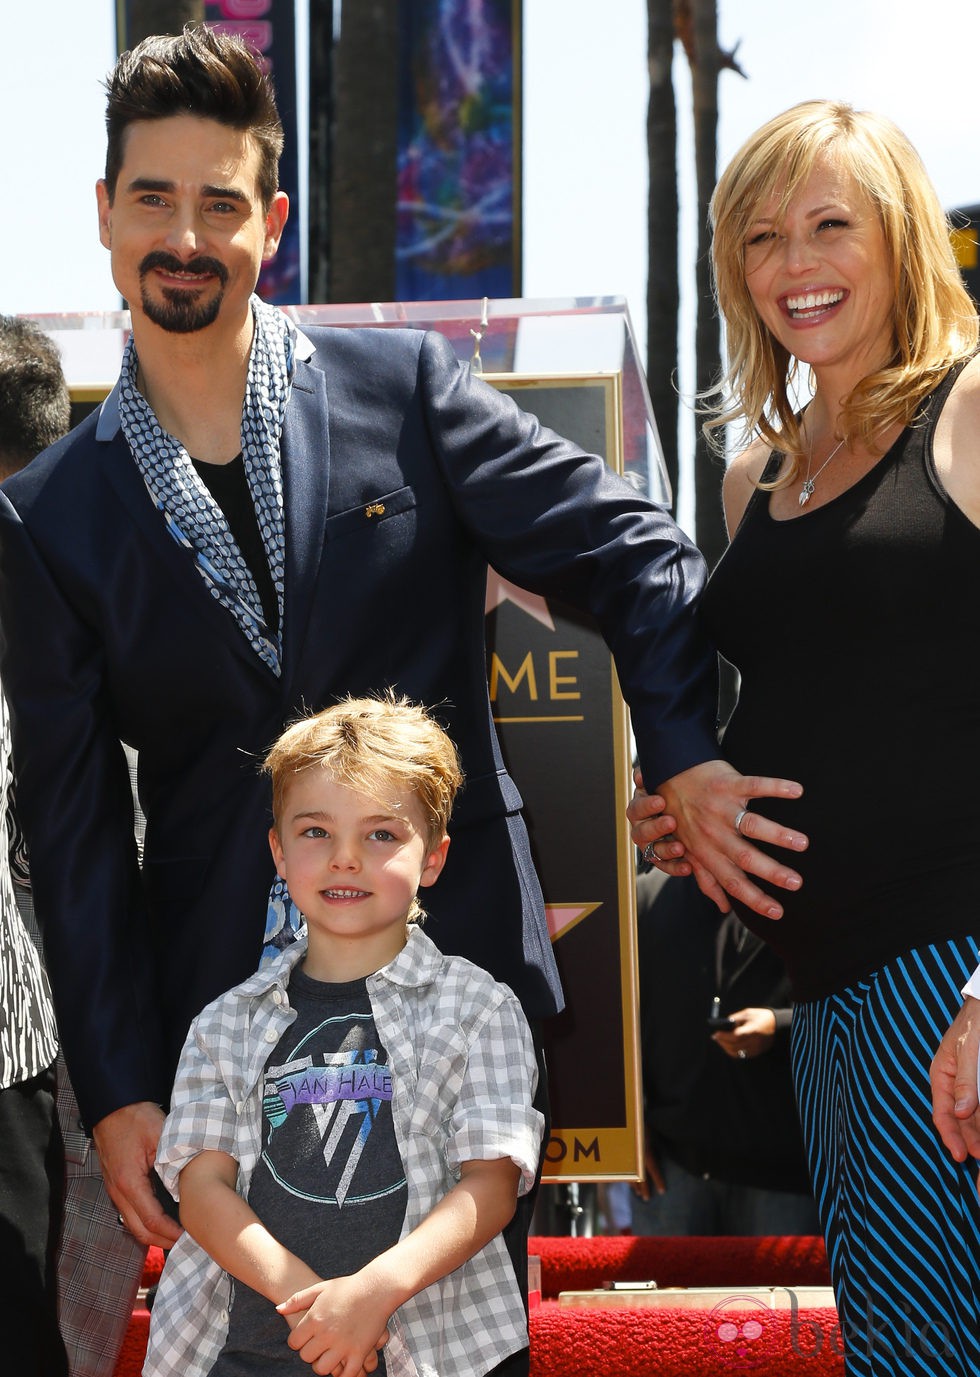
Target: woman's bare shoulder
<point>966,390</point>
<point>955,441</point>
<point>741,478</point>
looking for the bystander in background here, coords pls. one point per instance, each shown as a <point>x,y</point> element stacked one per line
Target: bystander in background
<point>34,410</point>
<point>91,1265</point>
<point>724,1151</point>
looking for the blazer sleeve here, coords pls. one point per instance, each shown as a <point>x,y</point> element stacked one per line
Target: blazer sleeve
<point>558,521</point>
<point>72,775</point>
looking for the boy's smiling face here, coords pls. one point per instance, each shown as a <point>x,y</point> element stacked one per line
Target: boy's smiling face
<point>353,865</point>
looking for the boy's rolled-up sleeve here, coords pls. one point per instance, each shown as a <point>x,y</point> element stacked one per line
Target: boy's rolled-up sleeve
<point>494,1115</point>
<point>204,1114</point>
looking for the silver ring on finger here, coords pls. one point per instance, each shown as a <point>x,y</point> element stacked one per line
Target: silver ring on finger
<point>742,813</point>
<point>741,1054</point>
<point>650,854</point>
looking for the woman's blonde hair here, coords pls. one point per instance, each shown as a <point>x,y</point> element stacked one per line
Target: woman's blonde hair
<point>934,319</point>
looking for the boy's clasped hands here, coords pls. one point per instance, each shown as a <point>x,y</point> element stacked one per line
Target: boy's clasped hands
<point>332,1323</point>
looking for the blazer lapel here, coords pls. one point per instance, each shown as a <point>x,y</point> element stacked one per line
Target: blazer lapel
<point>178,566</point>
<point>305,479</point>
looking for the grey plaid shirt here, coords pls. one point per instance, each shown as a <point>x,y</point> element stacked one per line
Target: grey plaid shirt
<point>463,1074</point>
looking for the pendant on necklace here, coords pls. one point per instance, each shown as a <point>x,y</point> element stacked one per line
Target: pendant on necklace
<point>806,492</point>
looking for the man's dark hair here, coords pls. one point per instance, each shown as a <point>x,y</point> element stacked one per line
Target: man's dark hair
<point>34,402</point>
<point>201,72</point>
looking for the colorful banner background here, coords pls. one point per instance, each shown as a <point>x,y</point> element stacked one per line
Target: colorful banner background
<point>269,26</point>
<point>458,159</point>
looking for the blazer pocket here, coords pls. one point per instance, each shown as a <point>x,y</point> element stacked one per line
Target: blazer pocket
<point>370,513</point>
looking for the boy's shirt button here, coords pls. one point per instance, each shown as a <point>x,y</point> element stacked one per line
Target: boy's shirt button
<point>271,1035</point>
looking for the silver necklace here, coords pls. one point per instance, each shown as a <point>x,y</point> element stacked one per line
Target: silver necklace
<point>806,492</point>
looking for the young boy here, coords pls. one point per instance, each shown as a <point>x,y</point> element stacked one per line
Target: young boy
<point>351,1126</point>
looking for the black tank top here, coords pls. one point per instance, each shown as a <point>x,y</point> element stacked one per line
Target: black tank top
<point>856,630</point>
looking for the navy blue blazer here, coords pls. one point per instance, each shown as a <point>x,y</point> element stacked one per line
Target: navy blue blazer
<point>109,634</point>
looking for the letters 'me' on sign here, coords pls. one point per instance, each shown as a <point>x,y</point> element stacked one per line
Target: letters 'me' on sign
<point>564,732</point>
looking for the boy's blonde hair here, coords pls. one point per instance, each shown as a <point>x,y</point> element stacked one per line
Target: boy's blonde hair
<point>372,744</point>
<point>934,321</point>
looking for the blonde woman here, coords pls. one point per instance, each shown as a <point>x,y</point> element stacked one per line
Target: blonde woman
<point>848,601</point>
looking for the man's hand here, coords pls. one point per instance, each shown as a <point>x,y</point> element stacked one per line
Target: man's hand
<point>126,1142</point>
<point>658,827</point>
<point>953,1075</point>
<point>706,802</point>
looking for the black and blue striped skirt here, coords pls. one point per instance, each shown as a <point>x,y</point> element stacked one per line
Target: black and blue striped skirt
<point>901,1218</point>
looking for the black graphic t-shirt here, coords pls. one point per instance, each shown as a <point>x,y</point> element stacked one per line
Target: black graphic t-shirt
<point>330,1184</point>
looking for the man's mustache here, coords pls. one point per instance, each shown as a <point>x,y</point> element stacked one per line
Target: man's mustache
<point>203,265</point>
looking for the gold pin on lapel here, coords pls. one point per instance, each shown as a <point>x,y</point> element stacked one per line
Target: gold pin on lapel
<point>375,509</point>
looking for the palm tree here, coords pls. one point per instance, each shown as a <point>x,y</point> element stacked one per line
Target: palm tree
<point>694,23</point>
<point>353,97</point>
<point>663,294</point>
<point>705,58</point>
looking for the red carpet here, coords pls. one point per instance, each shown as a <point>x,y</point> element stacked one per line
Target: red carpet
<point>582,1264</point>
<point>133,1352</point>
<point>569,1341</point>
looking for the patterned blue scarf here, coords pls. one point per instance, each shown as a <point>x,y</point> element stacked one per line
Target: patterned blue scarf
<point>197,523</point>
<point>191,514</point>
